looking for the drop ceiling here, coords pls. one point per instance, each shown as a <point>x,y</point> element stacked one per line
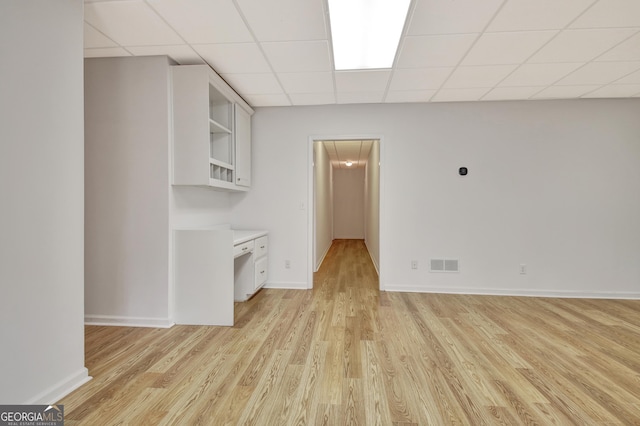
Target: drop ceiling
<point>278,52</point>
<point>343,151</point>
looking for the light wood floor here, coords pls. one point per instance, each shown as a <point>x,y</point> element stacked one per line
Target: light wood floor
<point>345,353</point>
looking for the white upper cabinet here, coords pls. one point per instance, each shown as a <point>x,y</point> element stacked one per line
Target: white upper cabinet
<point>212,131</point>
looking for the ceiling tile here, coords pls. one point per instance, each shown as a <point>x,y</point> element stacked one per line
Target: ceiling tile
<point>401,96</point>
<point>511,93</point>
<point>580,45</point>
<point>537,15</point>
<point>609,14</point>
<point>94,38</point>
<point>362,81</point>
<point>278,52</point>
<point>628,50</point>
<point>615,91</point>
<point>313,98</point>
<point>633,78</point>
<point>298,56</point>
<point>254,84</point>
<point>233,58</point>
<point>451,17</point>
<point>348,150</point>
<point>506,48</point>
<point>267,100</point>
<point>459,95</point>
<point>539,74</point>
<point>564,92</point>
<point>360,97</point>
<point>599,73</point>
<point>105,52</point>
<point>182,54</point>
<point>419,79</point>
<point>433,51</point>
<point>204,21</point>
<point>330,147</point>
<point>130,23</point>
<point>342,150</point>
<point>478,76</point>
<point>307,82</point>
<point>285,20</point>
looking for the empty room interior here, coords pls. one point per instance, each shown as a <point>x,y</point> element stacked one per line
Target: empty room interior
<point>226,212</point>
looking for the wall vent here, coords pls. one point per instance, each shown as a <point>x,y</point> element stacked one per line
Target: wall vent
<point>444,265</point>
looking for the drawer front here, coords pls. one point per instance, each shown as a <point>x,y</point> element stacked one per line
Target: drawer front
<point>261,272</point>
<point>262,246</point>
<point>243,248</point>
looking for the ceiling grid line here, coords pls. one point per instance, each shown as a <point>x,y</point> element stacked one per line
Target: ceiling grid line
<point>405,30</point>
<point>280,53</point>
<point>244,19</point>
<point>526,61</point>
<point>504,2</point>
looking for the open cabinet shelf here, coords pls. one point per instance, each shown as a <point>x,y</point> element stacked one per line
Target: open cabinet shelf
<point>204,106</point>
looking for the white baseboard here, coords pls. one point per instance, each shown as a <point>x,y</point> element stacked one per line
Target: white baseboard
<point>62,388</point>
<point>375,265</point>
<point>322,258</point>
<point>287,286</point>
<point>513,292</point>
<point>128,321</point>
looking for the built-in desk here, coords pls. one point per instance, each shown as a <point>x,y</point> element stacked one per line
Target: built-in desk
<point>212,269</point>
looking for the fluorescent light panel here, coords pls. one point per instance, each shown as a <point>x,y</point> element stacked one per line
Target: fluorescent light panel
<point>366,33</point>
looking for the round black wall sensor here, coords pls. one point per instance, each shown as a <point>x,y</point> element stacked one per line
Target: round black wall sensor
<point>462,171</point>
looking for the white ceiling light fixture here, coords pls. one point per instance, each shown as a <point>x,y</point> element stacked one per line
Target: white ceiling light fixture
<point>348,163</point>
<point>366,33</point>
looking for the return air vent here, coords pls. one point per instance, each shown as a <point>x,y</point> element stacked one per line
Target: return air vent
<point>444,265</point>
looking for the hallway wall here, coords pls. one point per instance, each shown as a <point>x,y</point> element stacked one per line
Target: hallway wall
<point>323,202</point>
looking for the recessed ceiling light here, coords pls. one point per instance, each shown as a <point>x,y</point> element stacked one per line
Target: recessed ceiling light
<point>366,33</point>
<point>348,163</point>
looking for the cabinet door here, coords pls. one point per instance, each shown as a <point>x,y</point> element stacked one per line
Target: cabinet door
<point>261,272</point>
<point>242,136</point>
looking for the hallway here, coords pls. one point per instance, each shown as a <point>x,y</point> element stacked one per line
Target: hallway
<point>347,267</point>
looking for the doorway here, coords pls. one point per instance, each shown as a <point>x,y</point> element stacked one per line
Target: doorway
<point>345,196</point>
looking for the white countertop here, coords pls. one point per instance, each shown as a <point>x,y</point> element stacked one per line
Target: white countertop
<point>242,235</point>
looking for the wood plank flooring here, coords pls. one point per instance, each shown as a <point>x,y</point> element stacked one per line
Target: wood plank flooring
<point>346,354</point>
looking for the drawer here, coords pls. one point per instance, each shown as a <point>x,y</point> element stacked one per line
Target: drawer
<point>242,248</point>
<point>262,246</point>
<point>261,271</point>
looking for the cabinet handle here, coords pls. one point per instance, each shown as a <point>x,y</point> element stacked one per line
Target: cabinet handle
<point>262,272</point>
<point>244,248</point>
<point>261,247</point>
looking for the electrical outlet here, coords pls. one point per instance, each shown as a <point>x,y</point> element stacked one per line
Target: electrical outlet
<point>523,269</point>
<point>287,264</point>
<point>414,264</point>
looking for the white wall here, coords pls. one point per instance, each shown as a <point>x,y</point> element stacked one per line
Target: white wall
<point>372,204</point>
<point>127,190</point>
<point>323,177</point>
<point>348,203</point>
<point>41,192</point>
<point>131,207</point>
<point>552,184</point>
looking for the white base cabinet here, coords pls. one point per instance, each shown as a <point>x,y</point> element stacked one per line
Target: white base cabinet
<point>251,269</point>
<point>214,268</point>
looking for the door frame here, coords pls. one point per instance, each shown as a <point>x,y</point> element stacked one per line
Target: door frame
<point>311,217</point>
